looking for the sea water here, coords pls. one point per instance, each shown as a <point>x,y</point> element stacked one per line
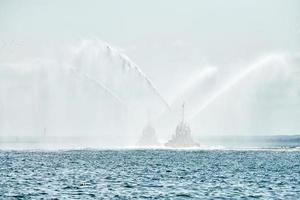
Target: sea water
<point>150,174</point>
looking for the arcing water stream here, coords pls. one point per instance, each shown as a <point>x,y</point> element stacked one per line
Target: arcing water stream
<point>264,62</point>
<point>123,61</point>
<point>96,93</point>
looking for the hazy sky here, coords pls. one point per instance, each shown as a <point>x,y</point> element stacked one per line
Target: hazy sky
<point>170,40</point>
<point>157,34</point>
<point>211,27</point>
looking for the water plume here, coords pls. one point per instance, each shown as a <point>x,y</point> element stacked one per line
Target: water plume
<point>188,90</point>
<point>91,94</point>
<point>100,85</point>
<point>263,62</point>
<point>126,63</point>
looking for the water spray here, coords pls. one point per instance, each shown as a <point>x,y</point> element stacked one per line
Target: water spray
<point>129,64</point>
<point>99,84</point>
<point>258,65</point>
<point>194,81</point>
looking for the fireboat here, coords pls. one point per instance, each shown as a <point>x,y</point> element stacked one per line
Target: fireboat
<point>148,137</point>
<point>182,137</point>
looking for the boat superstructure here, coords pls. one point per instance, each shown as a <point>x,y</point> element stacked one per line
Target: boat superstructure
<point>182,137</point>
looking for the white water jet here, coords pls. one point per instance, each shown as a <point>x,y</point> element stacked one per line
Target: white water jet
<point>115,54</point>
<point>264,62</point>
<point>189,88</point>
<point>95,94</point>
<point>100,84</point>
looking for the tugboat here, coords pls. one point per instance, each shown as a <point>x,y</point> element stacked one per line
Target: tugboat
<point>148,137</point>
<point>182,137</point>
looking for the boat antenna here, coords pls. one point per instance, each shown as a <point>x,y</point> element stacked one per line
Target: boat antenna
<point>183,112</point>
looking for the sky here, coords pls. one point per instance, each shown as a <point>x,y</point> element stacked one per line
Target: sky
<point>172,41</point>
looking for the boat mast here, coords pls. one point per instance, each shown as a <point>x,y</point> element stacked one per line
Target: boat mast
<point>183,112</point>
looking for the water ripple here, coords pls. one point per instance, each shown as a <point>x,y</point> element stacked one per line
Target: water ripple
<point>149,174</point>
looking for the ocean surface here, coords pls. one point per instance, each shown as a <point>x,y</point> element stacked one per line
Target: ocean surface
<point>150,174</point>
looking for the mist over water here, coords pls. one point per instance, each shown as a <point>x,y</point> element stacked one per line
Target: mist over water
<point>271,61</point>
<point>149,99</point>
<point>257,95</point>
<point>93,95</point>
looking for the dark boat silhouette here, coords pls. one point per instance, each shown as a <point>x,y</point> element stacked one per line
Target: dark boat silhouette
<point>182,137</point>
